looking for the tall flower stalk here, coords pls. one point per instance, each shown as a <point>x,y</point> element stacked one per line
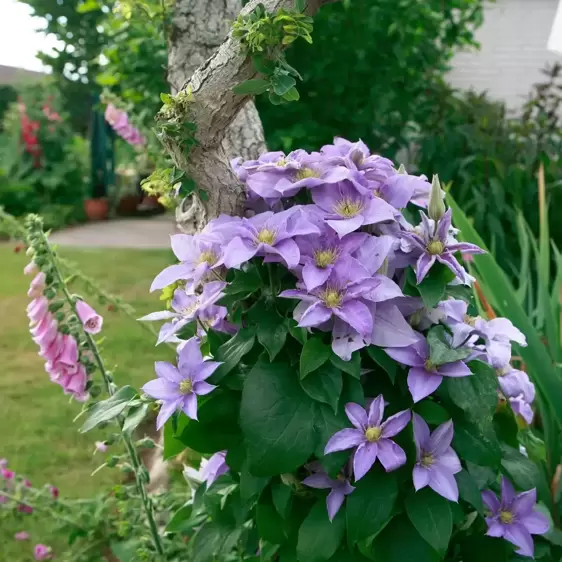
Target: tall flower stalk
<point>45,259</point>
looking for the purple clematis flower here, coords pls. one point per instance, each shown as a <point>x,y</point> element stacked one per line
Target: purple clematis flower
<point>178,387</point>
<point>518,390</point>
<point>338,297</point>
<point>436,462</point>
<point>267,234</point>
<point>339,488</point>
<point>346,210</point>
<point>434,241</point>
<point>320,253</point>
<point>187,307</point>
<point>400,189</point>
<point>216,466</point>
<point>424,377</point>
<point>498,335</point>
<point>371,437</point>
<point>515,518</point>
<point>198,255</point>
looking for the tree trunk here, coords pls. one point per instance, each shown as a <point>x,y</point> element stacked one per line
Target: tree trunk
<point>199,27</point>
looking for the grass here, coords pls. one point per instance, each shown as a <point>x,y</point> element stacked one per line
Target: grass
<point>37,433</point>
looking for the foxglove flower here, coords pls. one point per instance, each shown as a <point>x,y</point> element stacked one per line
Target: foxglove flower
<point>267,234</point>
<point>371,437</point>
<point>436,462</point>
<point>187,307</point>
<point>424,377</point>
<point>90,319</point>
<point>37,286</point>
<point>216,466</point>
<point>435,245</point>
<point>515,517</point>
<point>198,255</point>
<point>346,210</point>
<point>178,387</point>
<point>339,488</point>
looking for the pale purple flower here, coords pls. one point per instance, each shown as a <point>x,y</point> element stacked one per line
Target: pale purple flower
<point>371,437</point>
<point>515,517</point>
<point>346,210</point>
<point>101,446</point>
<point>216,466</point>
<point>435,244</point>
<point>22,536</point>
<point>42,552</point>
<point>436,462</point>
<point>400,189</point>
<point>424,377</point>
<point>338,297</point>
<point>518,390</point>
<point>267,234</point>
<point>214,317</point>
<point>3,463</point>
<point>339,488</point>
<point>320,253</point>
<point>198,255</point>
<point>186,308</point>
<point>498,334</point>
<point>31,269</point>
<point>178,387</point>
<point>90,319</point>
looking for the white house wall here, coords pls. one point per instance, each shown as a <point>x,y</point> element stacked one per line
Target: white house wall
<point>513,51</point>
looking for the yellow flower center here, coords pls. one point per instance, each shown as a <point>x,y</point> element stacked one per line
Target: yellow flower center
<point>189,310</point>
<point>324,258</point>
<point>304,173</point>
<point>266,236</point>
<point>470,320</point>
<point>186,386</point>
<point>208,257</point>
<point>427,460</point>
<point>435,247</point>
<point>373,434</point>
<point>429,366</point>
<point>348,208</point>
<point>281,162</point>
<point>506,517</point>
<point>331,297</point>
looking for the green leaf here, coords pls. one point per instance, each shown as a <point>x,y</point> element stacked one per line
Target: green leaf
<point>271,526</point>
<point>88,6</point>
<point>351,367</point>
<point>109,409</point>
<point>251,486</point>
<point>276,418</point>
<point>371,505</point>
<point>135,417</point>
<point>300,334</point>
<point>476,395</point>
<point>318,537</point>
<point>179,519</point>
<point>505,425</point>
<point>271,330</point>
<point>485,549</point>
<point>431,516</point>
<point>292,95</point>
<point>524,473</point>
<point>384,361</point>
<point>231,352</point>
<point>281,496</point>
<point>324,385</point>
<point>252,87</point>
<point>432,288</point>
<point>314,354</point>
<point>262,64</point>
<point>168,98</point>
<point>247,282</point>
<point>282,83</point>
<point>107,79</point>
<point>469,491</point>
<point>432,412</point>
<point>217,428</point>
<point>440,352</point>
<point>400,542</point>
<point>300,5</point>
<point>477,444</point>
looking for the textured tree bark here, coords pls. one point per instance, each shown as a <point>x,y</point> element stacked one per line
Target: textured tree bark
<point>227,123</point>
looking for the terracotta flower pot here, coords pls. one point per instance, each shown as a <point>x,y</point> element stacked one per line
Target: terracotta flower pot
<point>128,205</point>
<point>96,209</point>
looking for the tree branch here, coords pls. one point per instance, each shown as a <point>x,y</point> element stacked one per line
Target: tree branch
<point>213,109</point>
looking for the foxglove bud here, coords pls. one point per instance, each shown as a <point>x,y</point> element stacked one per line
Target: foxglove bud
<point>436,208</point>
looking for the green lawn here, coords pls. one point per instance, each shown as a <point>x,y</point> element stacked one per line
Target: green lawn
<point>37,434</point>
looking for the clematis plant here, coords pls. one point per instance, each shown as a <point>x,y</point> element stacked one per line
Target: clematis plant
<point>339,310</point>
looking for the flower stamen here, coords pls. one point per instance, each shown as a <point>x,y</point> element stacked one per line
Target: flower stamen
<point>373,434</point>
<point>348,208</point>
<point>324,258</point>
<point>305,173</point>
<point>208,257</point>
<point>186,387</point>
<point>332,298</point>
<point>506,517</point>
<point>266,236</point>
<point>436,247</point>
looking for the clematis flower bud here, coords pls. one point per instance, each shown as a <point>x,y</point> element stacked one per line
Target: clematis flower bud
<point>436,208</point>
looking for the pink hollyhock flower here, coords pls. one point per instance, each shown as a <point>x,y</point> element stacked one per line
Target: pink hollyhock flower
<point>21,536</point>
<point>42,552</point>
<point>90,319</point>
<point>31,269</point>
<point>54,492</point>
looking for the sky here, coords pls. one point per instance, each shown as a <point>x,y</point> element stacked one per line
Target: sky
<point>19,38</point>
